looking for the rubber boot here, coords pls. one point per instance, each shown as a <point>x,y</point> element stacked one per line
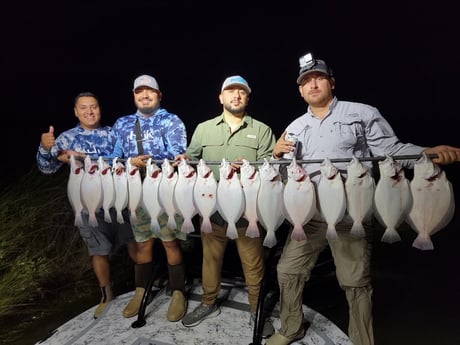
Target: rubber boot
<point>178,305</point>
<point>107,296</point>
<point>142,273</point>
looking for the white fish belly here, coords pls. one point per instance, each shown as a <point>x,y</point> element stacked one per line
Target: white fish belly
<point>166,198</point>
<point>91,195</point>
<point>150,202</point>
<point>299,202</point>
<point>120,183</point>
<point>332,199</point>
<point>432,205</point>
<point>183,201</point>
<point>205,196</point>
<point>230,200</point>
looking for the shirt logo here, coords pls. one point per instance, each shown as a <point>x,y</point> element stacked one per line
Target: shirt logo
<point>251,136</point>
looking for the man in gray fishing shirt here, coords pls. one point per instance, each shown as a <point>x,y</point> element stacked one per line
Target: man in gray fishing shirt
<point>332,128</point>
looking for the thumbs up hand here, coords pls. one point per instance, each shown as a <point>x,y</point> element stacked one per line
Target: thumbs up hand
<point>47,139</point>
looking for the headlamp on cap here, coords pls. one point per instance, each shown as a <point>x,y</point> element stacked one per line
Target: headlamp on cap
<point>308,64</point>
<point>307,61</point>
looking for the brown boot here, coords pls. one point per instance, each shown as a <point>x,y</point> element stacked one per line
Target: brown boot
<point>177,307</point>
<point>105,300</point>
<point>132,308</point>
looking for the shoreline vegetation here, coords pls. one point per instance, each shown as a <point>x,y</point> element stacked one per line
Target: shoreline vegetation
<point>45,269</point>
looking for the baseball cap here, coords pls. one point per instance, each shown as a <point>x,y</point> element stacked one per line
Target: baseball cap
<point>236,80</point>
<point>316,66</point>
<point>146,80</point>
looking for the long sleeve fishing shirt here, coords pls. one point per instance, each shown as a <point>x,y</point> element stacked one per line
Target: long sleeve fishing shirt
<point>95,143</point>
<point>162,135</point>
<point>213,140</point>
<point>348,129</point>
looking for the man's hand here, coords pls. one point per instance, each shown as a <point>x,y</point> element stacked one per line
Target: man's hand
<point>64,155</point>
<point>446,154</point>
<point>139,161</point>
<point>47,140</point>
<point>283,146</point>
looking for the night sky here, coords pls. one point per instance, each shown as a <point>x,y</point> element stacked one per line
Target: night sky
<point>401,57</point>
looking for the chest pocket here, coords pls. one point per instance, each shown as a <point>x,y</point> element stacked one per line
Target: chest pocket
<point>350,133</point>
<point>210,141</point>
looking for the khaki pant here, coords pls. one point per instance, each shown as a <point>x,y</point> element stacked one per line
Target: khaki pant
<point>251,254</point>
<point>352,261</point>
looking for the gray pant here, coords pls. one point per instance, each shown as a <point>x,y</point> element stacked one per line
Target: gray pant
<point>352,261</point>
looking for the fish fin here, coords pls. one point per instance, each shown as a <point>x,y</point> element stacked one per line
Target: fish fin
<point>171,223</point>
<point>357,230</point>
<point>253,230</point>
<point>232,233</point>
<point>133,217</point>
<point>78,219</point>
<point>92,220</point>
<point>331,233</point>
<point>298,234</point>
<point>390,236</point>
<point>270,239</point>
<point>187,226</point>
<point>155,225</point>
<point>206,225</point>
<point>423,242</point>
<point>107,216</point>
<point>120,219</point>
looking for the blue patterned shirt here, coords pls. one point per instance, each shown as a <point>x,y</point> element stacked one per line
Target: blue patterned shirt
<point>163,135</point>
<point>95,143</point>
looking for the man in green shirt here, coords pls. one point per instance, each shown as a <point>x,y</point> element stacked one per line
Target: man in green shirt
<point>233,135</point>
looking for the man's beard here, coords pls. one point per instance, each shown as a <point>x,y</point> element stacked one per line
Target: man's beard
<point>234,110</point>
<point>147,110</point>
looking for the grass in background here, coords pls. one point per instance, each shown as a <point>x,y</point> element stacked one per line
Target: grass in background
<point>44,264</point>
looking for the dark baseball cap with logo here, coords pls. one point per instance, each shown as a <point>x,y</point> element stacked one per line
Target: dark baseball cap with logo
<point>308,64</point>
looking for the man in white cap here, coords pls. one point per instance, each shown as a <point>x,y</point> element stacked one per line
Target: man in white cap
<point>153,132</point>
<point>233,135</point>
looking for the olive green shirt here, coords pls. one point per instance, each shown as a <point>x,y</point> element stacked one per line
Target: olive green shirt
<point>213,141</point>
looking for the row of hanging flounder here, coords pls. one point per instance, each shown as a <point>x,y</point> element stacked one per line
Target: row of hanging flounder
<point>260,196</point>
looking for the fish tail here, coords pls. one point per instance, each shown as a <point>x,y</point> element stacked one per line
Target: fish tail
<point>133,218</point>
<point>390,235</point>
<point>298,234</point>
<point>187,226</point>
<point>92,220</point>
<point>171,223</point>
<point>253,230</point>
<point>78,219</point>
<point>232,233</point>
<point>270,239</point>
<point>107,216</point>
<point>120,219</point>
<point>357,230</point>
<point>206,225</point>
<point>423,242</point>
<point>155,225</point>
<point>331,233</point>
